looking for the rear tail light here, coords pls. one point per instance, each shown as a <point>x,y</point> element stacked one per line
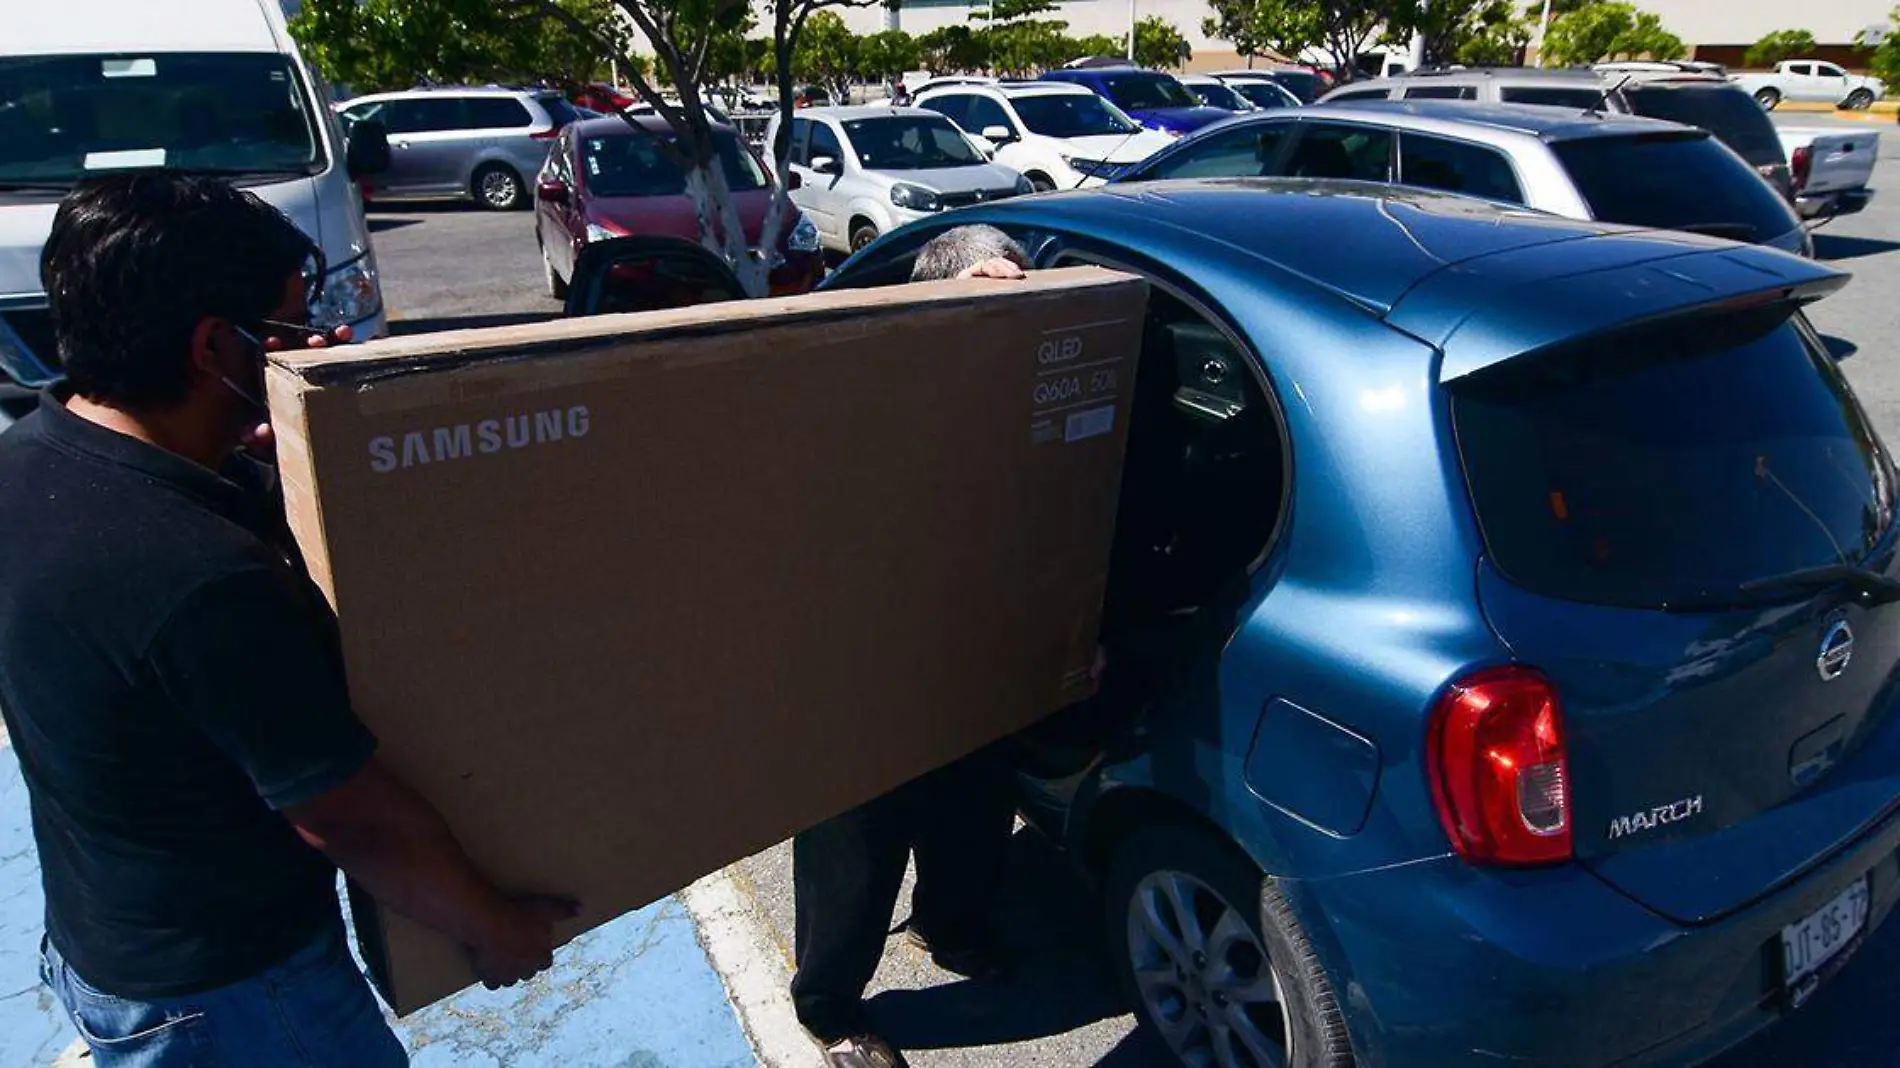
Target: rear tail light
<point>1803,166</point>
<point>1499,773</point>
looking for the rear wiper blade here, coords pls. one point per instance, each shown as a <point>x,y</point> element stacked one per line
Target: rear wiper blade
<point>1742,231</point>
<point>1871,588</point>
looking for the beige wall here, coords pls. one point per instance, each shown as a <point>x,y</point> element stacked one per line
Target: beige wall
<point>1719,22</point>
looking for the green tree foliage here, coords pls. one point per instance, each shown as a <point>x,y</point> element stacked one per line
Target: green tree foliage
<point>1472,32</point>
<point>955,47</point>
<point>1283,28</point>
<point>1602,31</point>
<point>889,55</point>
<point>827,54</point>
<point>1099,44</point>
<point>1886,61</point>
<point>1158,44</point>
<point>390,44</point>
<point>1779,46</point>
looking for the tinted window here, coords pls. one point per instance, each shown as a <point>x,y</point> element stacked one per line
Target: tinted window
<point>1216,95</point>
<point>1727,112</point>
<point>559,110</point>
<point>423,115</point>
<point>1072,115</point>
<point>1303,84</point>
<point>801,131</point>
<point>494,113</point>
<point>985,113</point>
<point>63,118</point>
<point>824,142</point>
<point>1680,461</point>
<point>1326,150</point>
<point>1675,182</point>
<point>629,165</point>
<point>908,143</point>
<point>1361,94</point>
<point>1578,97</point>
<point>1136,92</point>
<point>1442,92</point>
<point>956,108</point>
<point>1248,152</point>
<point>1265,94</point>
<point>1457,167</point>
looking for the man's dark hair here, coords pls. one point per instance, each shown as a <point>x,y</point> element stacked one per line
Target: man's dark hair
<point>135,261</point>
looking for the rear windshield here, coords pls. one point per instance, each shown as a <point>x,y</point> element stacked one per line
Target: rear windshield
<point>1677,463</point>
<point>630,165</point>
<point>558,109</point>
<point>1723,110</point>
<point>1140,92</point>
<point>1308,87</point>
<point>1675,182</point>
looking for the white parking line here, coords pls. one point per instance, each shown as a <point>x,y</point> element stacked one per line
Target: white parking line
<point>755,968</point>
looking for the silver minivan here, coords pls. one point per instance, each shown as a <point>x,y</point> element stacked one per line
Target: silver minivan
<point>480,144</point>
<point>865,171</point>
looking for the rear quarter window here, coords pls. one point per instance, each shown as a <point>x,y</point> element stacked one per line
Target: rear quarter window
<point>1675,182</point>
<point>1578,97</point>
<point>1681,460</point>
<point>495,113</point>
<point>1723,110</point>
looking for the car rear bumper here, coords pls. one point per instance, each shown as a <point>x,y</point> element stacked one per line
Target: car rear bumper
<point>1444,964</point>
<point>1835,204</point>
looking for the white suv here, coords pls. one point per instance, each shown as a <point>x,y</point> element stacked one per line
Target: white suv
<point>1060,136</point>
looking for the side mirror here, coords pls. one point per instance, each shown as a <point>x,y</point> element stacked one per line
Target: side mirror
<point>998,134</point>
<point>824,165</point>
<point>366,149</point>
<point>551,191</point>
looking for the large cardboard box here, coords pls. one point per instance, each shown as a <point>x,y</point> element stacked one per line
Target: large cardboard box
<point>633,597</point>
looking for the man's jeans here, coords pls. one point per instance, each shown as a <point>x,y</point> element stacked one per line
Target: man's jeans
<point>314,1009</point>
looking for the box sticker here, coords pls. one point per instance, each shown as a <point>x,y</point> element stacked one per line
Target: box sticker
<point>1089,424</point>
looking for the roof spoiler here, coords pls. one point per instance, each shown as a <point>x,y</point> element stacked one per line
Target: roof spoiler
<point>1522,321</point>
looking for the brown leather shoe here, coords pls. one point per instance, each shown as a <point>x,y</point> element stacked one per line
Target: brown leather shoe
<point>863,1051</point>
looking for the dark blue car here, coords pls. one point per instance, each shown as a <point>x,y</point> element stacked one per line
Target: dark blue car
<point>1503,647</point>
<point>1150,97</point>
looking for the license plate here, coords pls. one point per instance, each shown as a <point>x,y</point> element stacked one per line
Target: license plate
<point>1810,943</point>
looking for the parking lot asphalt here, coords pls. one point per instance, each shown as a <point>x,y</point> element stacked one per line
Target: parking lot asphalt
<point>449,266</point>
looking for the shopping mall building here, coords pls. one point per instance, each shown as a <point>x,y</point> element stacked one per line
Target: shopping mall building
<point>1719,30</point>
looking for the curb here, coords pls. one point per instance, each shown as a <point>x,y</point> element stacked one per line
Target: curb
<point>747,957</point>
<point>1879,111</point>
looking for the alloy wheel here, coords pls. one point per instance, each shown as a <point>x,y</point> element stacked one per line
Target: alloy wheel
<point>1204,977</point>
<point>500,190</point>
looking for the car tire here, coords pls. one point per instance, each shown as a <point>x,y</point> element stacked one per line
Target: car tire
<point>861,235</point>
<point>1860,100</point>
<point>1253,983</point>
<point>556,285</point>
<point>498,188</point>
<point>1769,99</point>
<point>1040,183</point>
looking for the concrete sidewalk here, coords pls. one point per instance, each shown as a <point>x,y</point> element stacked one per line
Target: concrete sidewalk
<point>637,993</point>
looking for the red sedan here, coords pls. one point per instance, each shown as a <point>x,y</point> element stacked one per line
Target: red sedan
<point>604,180</point>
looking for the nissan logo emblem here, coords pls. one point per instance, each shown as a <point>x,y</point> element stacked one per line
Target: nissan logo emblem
<point>1837,648</point>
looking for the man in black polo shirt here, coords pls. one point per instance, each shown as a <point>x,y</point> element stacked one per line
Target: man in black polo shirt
<point>171,681</point>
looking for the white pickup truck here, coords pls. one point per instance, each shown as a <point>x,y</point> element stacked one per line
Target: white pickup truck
<point>1812,81</point>
<point>1831,169</point>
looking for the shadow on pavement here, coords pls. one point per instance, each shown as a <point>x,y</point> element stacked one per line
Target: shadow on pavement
<point>407,327</point>
<point>1061,982</point>
<point>1842,247</point>
<point>382,223</point>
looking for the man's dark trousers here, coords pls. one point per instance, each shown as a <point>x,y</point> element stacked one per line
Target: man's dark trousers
<point>847,873</point>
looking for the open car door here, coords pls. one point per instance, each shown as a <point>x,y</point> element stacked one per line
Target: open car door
<point>636,274</point>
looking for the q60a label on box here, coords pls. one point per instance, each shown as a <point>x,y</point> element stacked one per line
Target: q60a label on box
<point>461,441</point>
<point>1073,396</point>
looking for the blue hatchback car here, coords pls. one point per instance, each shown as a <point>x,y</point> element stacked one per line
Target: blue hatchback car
<point>1502,642</point>
<point>1150,97</point>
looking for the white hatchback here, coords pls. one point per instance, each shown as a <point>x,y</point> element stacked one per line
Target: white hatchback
<point>1060,136</point>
